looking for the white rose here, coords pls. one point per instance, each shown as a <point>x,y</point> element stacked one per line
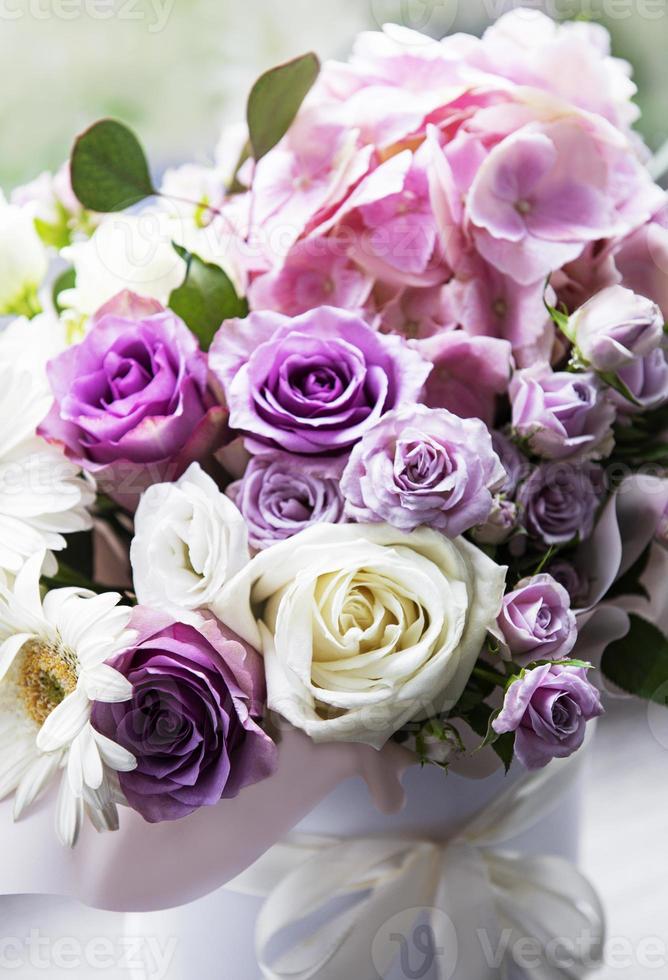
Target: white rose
<point>189,539</point>
<point>23,261</point>
<point>127,251</point>
<point>364,628</point>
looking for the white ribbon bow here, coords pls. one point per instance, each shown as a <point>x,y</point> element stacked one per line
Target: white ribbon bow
<point>355,909</point>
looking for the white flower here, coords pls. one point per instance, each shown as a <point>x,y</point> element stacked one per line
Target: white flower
<point>42,494</point>
<point>126,251</point>
<point>364,628</point>
<point>23,261</point>
<point>189,540</point>
<point>52,666</point>
<point>28,345</point>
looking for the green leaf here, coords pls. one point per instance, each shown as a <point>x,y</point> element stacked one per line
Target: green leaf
<point>638,663</point>
<point>616,383</point>
<point>66,280</point>
<point>561,320</point>
<point>480,720</point>
<point>109,168</point>
<point>504,747</point>
<point>275,99</point>
<point>205,298</point>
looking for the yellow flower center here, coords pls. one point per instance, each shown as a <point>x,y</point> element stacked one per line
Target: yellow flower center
<point>47,674</point>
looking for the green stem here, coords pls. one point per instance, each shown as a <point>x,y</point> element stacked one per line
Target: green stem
<point>490,675</point>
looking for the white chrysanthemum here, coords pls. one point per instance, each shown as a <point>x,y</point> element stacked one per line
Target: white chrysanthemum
<point>52,666</point>
<point>42,494</point>
<point>23,261</point>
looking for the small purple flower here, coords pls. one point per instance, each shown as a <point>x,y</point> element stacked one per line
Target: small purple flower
<point>536,621</point>
<point>615,327</point>
<point>562,415</point>
<point>647,380</point>
<point>192,722</point>
<point>313,384</point>
<point>548,709</point>
<point>500,525</point>
<point>423,466</point>
<point>131,403</point>
<point>567,575</point>
<point>279,498</point>
<point>559,501</point>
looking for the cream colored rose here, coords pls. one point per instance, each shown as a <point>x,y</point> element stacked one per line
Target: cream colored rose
<point>364,628</point>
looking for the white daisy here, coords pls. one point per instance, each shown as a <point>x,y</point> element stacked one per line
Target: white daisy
<point>42,494</point>
<point>52,666</point>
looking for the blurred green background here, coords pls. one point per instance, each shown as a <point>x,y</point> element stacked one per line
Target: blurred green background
<point>177,69</point>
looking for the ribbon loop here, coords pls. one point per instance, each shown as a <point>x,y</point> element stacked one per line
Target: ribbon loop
<point>358,908</point>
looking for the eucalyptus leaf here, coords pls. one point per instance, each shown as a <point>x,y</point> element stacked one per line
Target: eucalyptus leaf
<point>109,169</point>
<point>638,663</point>
<point>66,280</point>
<point>275,100</point>
<point>205,298</point>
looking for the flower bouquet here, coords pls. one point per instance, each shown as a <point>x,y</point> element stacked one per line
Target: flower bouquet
<point>343,454</point>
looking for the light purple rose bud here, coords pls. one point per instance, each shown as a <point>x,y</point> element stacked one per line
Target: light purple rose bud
<point>313,384</point>
<point>615,327</point>
<point>279,498</point>
<point>500,524</point>
<point>423,466</point>
<point>562,415</point>
<point>131,401</point>
<point>647,380</point>
<point>559,501</point>
<point>536,620</point>
<point>569,576</point>
<point>548,709</point>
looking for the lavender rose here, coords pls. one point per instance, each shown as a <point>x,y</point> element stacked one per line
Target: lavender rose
<point>567,575</point>
<point>616,327</point>
<point>536,621</point>
<point>647,380</point>
<point>278,498</point>
<point>562,415</point>
<point>423,466</point>
<point>558,502</point>
<point>131,400</point>
<point>313,384</point>
<point>192,722</point>
<point>548,709</point>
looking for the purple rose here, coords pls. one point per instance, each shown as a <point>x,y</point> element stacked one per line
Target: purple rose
<point>567,575</point>
<point>559,501</point>
<point>548,709</point>
<point>423,466</point>
<point>616,327</point>
<point>192,722</point>
<point>131,400</point>
<point>313,384</point>
<point>278,498</point>
<point>536,620</point>
<point>561,414</point>
<point>647,380</point>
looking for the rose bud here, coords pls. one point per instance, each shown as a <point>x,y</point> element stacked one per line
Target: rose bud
<point>616,327</point>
